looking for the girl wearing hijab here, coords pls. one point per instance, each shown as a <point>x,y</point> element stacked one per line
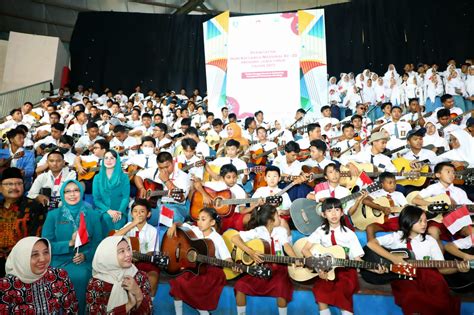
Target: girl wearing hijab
<point>432,137</point>
<point>117,286</point>
<point>36,287</point>
<point>456,88</point>
<point>461,143</point>
<point>469,88</point>
<point>111,192</point>
<point>434,88</point>
<point>61,227</point>
<point>233,132</point>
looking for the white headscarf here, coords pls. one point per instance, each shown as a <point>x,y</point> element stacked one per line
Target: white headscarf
<point>464,152</point>
<point>18,261</point>
<point>106,268</point>
<point>434,139</point>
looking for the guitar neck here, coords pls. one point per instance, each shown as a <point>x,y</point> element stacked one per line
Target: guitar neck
<point>190,166</point>
<point>143,257</point>
<point>339,262</point>
<point>218,262</point>
<point>283,259</point>
<point>469,207</point>
<point>433,263</point>
<point>238,201</point>
<point>158,193</point>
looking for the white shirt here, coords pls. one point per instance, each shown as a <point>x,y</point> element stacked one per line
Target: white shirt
<point>339,192</point>
<point>147,237</point>
<point>46,141</point>
<point>197,171</point>
<point>238,163</point>
<point>127,143</point>
<point>84,142</point>
<point>145,131</point>
<point>141,160</point>
<point>398,198</point>
<point>268,191</point>
<point>77,129</point>
<point>198,120</point>
<point>424,154</point>
<point>179,179</point>
<point>381,161</point>
<point>46,180</point>
<point>463,243</point>
<point>313,163</point>
<point>344,145</point>
<point>202,149</point>
<point>279,235</point>
<point>428,248</point>
<point>457,194</point>
<point>402,126</point>
<point>69,158</point>
<point>294,169</point>
<point>221,250</point>
<point>347,239</point>
<point>236,190</point>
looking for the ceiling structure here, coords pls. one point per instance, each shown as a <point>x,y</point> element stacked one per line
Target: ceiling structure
<point>57,17</point>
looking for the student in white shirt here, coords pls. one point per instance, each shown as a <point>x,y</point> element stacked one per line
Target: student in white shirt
<point>79,128</point>
<point>231,152</point>
<point>98,151</point>
<point>199,118</point>
<point>317,156</point>
<point>147,236</point>
<point>57,130</point>
<point>146,129</point>
<point>290,167</point>
<point>123,143</point>
<point>314,133</point>
<point>347,144</point>
<point>65,145</point>
<point>397,128</point>
<point>188,157</point>
<point>87,141</point>
<point>202,149</point>
<point>147,158</point>
<point>250,129</point>
<point>329,125</point>
<point>264,144</point>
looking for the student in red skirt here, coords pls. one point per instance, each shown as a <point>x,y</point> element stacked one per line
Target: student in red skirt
<point>265,224</point>
<point>428,293</point>
<point>201,291</point>
<point>334,232</point>
<point>147,236</point>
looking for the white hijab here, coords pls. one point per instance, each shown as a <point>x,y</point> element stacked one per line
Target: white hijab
<point>470,82</point>
<point>434,139</point>
<point>106,268</point>
<point>464,152</point>
<point>18,261</point>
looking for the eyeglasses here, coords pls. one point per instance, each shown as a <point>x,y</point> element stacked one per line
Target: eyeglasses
<point>109,158</point>
<point>72,191</point>
<point>11,185</point>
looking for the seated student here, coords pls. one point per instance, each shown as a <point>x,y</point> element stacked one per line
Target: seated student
<point>57,130</point>
<point>387,116</point>
<point>289,166</point>
<point>79,127</point>
<point>123,143</point>
<point>147,157</point>
<point>111,181</point>
<point>264,144</point>
<point>21,158</point>
<point>361,131</point>
<point>265,224</point>
<point>428,293</point>
<point>98,151</point>
<point>46,186</point>
<point>163,143</point>
<point>445,173</point>
<point>201,291</point>
<point>414,116</point>
<point>314,133</point>
<point>148,238</point>
<point>65,145</point>
<point>231,157</point>
<point>395,198</point>
<point>334,232</point>
<point>117,286</point>
<point>444,116</point>
<point>202,149</point>
<point>347,144</point>
<point>272,177</point>
<point>329,125</point>
<point>317,155</point>
<point>30,284</point>
<point>171,177</point>
<point>86,142</point>
<point>189,157</point>
<point>396,128</point>
<point>228,180</point>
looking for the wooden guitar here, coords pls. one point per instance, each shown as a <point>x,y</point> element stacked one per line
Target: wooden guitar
<point>259,157</point>
<point>202,162</point>
<point>132,170</point>
<point>223,203</point>
<point>306,213</point>
<point>189,253</point>
<point>409,269</point>
<point>263,247</point>
<point>91,169</point>
<point>313,170</point>
<point>329,258</point>
<point>124,150</point>
<point>159,259</point>
<point>154,191</point>
<point>403,165</point>
<point>5,163</point>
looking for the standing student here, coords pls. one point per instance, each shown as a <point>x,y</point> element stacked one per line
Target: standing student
<point>201,291</point>
<point>265,224</point>
<point>334,232</point>
<point>428,293</point>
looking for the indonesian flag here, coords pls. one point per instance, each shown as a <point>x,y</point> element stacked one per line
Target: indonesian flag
<point>321,186</point>
<point>364,180</point>
<point>82,237</point>
<point>166,216</point>
<point>457,219</point>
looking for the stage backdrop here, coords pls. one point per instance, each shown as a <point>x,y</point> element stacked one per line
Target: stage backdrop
<point>273,62</point>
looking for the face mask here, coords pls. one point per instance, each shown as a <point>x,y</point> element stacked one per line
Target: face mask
<point>147,151</point>
<point>63,150</point>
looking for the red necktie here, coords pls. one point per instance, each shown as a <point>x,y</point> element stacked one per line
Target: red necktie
<point>409,244</point>
<point>448,193</point>
<point>57,181</point>
<point>137,234</point>
<point>390,200</point>
<point>332,193</point>
<point>333,238</point>
<point>273,246</point>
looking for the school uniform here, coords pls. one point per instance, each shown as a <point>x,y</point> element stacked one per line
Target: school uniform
<point>237,162</point>
<point>293,169</point>
<point>423,155</point>
<point>346,145</point>
<point>398,129</point>
<point>197,171</point>
<point>126,144</point>
<point>396,199</point>
<point>267,146</point>
<point>279,285</point>
<point>381,161</point>
<point>428,293</point>
<point>313,163</point>
<point>202,291</point>
<point>457,194</point>
<point>338,292</point>
<point>143,161</point>
<point>148,240</point>
<point>339,192</point>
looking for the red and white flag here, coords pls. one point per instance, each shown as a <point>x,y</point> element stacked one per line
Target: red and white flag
<point>82,237</point>
<point>321,186</point>
<point>364,180</point>
<point>166,216</point>
<point>457,219</point>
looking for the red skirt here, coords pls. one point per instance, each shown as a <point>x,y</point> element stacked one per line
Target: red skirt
<point>279,285</point>
<point>427,294</point>
<point>338,292</point>
<point>389,225</point>
<point>147,267</point>
<point>234,221</point>
<point>203,291</point>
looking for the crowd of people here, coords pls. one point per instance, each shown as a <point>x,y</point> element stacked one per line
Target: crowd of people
<point>84,175</point>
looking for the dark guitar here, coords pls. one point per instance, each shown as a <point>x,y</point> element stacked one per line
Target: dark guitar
<point>191,254</point>
<point>154,191</point>
<point>5,163</point>
<point>158,258</point>
<point>187,167</point>
<point>460,282</point>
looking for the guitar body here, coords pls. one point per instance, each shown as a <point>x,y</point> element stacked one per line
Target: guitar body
<point>460,282</point>
<point>150,185</point>
<point>365,215</point>
<point>183,244</point>
<point>304,215</point>
<point>303,155</point>
<point>132,170</point>
<point>261,158</point>
<point>239,255</point>
<point>312,170</point>
<point>376,278</point>
<point>403,164</point>
<point>207,177</point>
<point>259,181</point>
<point>197,202</point>
<point>348,181</point>
<point>441,198</point>
<point>91,167</point>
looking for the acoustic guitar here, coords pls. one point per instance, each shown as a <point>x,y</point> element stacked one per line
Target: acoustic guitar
<point>5,163</point>
<point>159,259</point>
<point>263,247</point>
<point>202,162</point>
<point>191,254</point>
<point>154,191</point>
<point>330,258</point>
<point>410,267</point>
<point>403,165</point>
<point>216,169</point>
<point>132,170</point>
<point>91,169</point>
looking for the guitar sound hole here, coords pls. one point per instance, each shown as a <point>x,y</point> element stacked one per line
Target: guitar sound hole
<point>192,255</point>
<point>218,202</point>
